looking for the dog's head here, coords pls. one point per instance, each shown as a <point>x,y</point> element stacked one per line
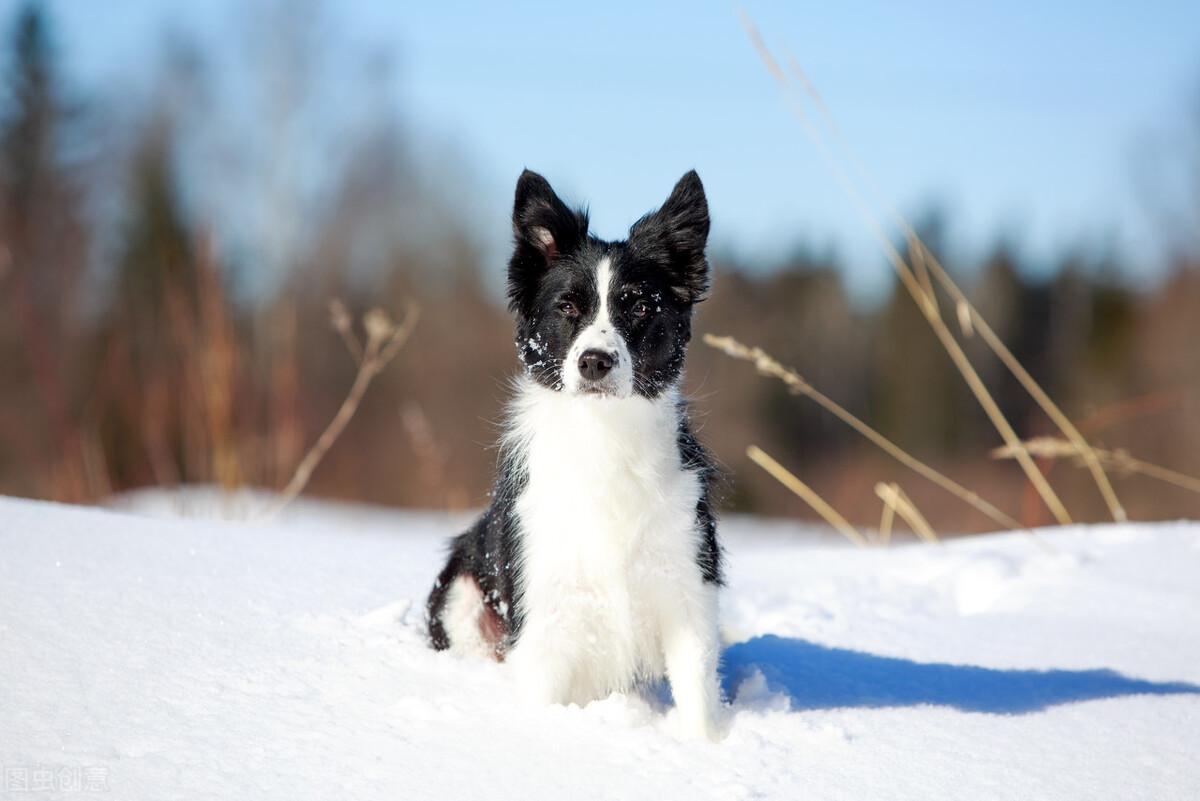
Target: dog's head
<point>606,318</point>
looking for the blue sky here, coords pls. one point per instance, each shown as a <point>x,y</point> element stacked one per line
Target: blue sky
<point>1025,119</point>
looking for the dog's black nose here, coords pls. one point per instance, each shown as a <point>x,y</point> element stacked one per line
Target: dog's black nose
<point>595,364</point>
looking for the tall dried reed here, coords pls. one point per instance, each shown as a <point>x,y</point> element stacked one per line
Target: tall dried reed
<point>916,280</point>
<point>805,493</point>
<point>768,366</point>
<point>1054,448</point>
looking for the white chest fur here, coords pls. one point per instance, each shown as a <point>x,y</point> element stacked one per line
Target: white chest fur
<point>609,541</point>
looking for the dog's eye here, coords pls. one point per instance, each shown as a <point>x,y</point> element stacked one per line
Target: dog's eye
<point>568,309</point>
<point>641,309</point>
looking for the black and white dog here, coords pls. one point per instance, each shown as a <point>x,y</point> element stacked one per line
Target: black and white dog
<point>596,566</point>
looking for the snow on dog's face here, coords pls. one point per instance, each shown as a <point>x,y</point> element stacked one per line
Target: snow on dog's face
<point>606,318</point>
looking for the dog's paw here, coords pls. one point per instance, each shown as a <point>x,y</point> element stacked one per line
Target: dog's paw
<point>710,726</point>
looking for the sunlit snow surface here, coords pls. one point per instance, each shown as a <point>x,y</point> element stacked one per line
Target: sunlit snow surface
<point>151,657</point>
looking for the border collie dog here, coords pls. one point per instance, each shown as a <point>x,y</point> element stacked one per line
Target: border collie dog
<point>596,567</point>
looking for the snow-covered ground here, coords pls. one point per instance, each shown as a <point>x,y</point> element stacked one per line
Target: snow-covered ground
<point>157,658</point>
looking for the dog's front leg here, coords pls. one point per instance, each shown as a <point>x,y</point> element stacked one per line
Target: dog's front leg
<point>542,671</point>
<point>690,651</point>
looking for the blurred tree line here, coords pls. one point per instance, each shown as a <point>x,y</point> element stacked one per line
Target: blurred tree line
<point>144,342</point>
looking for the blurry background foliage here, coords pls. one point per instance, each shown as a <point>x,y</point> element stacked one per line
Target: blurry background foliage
<point>153,334</point>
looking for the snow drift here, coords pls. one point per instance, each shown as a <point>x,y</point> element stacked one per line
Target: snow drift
<point>169,658</point>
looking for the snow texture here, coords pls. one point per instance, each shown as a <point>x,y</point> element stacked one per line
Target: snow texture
<point>190,658</point>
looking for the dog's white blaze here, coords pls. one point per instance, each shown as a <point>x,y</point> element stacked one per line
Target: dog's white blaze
<point>612,591</point>
<point>601,334</point>
<point>603,287</point>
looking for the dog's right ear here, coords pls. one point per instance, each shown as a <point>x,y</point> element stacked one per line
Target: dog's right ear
<point>545,229</point>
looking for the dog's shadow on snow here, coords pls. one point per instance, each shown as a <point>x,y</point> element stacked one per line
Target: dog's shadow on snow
<point>817,677</point>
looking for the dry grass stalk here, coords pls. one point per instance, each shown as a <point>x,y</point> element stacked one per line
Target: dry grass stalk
<point>770,367</point>
<point>885,520</point>
<point>1054,448</point>
<point>922,270</point>
<point>968,316</point>
<point>805,493</point>
<point>964,318</point>
<point>976,322</point>
<point>925,302</point>
<point>898,501</point>
<point>339,318</point>
<point>384,341</point>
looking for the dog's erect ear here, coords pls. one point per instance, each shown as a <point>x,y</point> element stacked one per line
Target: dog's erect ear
<point>545,229</point>
<point>676,235</point>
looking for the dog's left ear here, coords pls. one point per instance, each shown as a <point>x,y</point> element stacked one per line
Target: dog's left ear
<point>676,235</point>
